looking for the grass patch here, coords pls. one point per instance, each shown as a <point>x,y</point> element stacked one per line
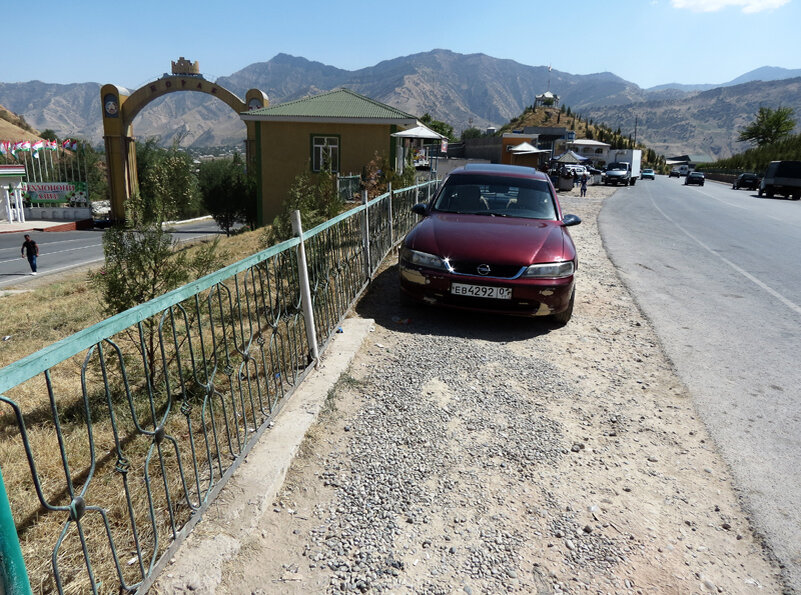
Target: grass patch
<point>119,468</point>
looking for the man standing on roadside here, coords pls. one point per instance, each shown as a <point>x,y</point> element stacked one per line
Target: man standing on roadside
<point>32,250</point>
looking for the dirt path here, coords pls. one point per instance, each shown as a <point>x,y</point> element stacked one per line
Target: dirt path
<point>471,454</point>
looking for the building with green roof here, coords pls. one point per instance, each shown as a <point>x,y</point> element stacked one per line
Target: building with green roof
<point>340,131</point>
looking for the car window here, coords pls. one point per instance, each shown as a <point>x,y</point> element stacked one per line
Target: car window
<point>789,169</point>
<point>497,195</point>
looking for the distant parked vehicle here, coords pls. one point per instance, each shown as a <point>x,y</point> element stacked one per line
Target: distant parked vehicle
<point>674,173</point>
<point>648,174</point>
<point>631,159</point>
<point>782,177</point>
<point>746,180</point>
<point>694,177</point>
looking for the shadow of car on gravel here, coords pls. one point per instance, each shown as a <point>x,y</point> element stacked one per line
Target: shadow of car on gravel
<point>382,303</point>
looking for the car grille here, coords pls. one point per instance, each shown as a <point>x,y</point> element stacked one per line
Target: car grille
<point>496,271</point>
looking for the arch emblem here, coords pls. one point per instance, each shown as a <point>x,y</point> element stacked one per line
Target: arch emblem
<point>120,107</point>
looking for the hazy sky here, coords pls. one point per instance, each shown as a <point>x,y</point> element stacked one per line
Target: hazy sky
<point>648,42</point>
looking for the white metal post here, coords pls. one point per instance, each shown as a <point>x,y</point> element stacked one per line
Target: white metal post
<point>366,240</point>
<point>389,216</point>
<point>305,291</point>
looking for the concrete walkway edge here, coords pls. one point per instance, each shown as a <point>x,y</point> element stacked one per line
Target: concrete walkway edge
<point>249,494</point>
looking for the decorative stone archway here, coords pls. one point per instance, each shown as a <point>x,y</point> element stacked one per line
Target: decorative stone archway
<point>120,107</point>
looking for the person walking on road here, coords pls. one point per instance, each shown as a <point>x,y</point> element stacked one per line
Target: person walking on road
<point>32,250</point>
<point>584,185</point>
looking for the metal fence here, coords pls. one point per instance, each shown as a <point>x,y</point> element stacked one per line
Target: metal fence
<point>115,440</point>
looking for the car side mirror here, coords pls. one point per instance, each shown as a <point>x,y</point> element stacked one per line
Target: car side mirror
<point>421,209</point>
<point>570,220</point>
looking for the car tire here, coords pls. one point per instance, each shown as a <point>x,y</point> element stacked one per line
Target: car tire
<point>562,318</point>
<point>769,192</point>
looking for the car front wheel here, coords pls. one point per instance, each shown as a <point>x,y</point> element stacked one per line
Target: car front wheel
<point>562,318</point>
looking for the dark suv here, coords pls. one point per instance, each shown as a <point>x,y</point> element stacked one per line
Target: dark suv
<point>782,177</point>
<point>746,180</point>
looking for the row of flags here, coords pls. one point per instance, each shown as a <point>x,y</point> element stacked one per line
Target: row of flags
<point>8,147</point>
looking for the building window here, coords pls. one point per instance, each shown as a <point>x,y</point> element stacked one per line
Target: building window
<point>325,153</point>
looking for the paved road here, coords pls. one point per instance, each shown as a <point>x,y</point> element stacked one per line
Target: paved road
<point>63,250</point>
<point>717,272</point>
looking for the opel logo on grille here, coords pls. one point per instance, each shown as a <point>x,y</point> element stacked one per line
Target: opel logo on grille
<point>483,269</point>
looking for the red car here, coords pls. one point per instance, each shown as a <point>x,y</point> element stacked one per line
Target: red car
<point>493,239</point>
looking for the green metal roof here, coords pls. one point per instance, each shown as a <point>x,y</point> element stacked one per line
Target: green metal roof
<point>332,106</point>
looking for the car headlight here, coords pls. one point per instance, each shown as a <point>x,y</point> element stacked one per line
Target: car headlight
<point>550,270</point>
<point>423,259</point>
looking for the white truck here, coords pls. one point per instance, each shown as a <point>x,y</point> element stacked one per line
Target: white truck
<point>629,160</point>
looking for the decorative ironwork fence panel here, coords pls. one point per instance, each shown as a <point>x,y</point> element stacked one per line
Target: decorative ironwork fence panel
<point>128,429</point>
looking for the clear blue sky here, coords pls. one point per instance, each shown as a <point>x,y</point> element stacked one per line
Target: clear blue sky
<point>648,42</point>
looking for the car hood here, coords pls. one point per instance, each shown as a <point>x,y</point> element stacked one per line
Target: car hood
<point>498,240</point>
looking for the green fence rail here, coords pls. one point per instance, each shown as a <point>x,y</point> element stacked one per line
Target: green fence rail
<point>123,434</point>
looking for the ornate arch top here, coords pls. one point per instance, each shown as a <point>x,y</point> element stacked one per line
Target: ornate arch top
<point>120,107</point>
<point>171,83</point>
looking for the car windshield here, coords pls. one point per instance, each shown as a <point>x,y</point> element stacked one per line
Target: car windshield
<point>617,166</point>
<point>500,196</point>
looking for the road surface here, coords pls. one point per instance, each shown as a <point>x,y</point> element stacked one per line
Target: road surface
<point>716,270</point>
<point>63,250</point>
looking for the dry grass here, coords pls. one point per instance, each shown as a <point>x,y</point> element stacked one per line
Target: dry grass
<point>53,311</point>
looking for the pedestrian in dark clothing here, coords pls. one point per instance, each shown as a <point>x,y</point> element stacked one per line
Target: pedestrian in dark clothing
<point>32,249</point>
<point>584,185</point>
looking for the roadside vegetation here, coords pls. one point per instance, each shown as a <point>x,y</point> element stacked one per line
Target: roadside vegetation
<point>772,134</point>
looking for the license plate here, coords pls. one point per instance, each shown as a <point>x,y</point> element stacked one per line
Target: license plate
<point>482,291</point>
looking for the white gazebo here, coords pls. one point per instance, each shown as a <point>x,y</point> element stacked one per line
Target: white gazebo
<point>421,133</point>
<point>11,178</point>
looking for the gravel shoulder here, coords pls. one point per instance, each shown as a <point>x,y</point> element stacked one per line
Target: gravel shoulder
<point>464,453</point>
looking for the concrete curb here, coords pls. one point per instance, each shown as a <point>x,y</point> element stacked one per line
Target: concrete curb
<point>248,495</point>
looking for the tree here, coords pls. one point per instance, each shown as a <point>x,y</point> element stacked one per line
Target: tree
<point>48,134</point>
<point>770,126</point>
<point>227,192</point>
<point>167,182</point>
<point>143,262</point>
<point>437,126</point>
<point>472,132</point>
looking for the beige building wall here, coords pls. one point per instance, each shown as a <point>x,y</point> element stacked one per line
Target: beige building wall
<point>285,150</point>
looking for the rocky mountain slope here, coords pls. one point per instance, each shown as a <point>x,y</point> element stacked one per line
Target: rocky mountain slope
<point>460,89</point>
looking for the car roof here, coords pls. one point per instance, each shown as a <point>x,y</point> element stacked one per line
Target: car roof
<point>498,169</point>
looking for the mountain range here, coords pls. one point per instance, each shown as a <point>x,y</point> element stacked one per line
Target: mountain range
<point>461,89</point>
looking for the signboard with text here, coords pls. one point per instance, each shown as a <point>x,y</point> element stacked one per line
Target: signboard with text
<point>53,192</point>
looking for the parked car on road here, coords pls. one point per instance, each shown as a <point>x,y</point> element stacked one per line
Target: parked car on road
<point>674,173</point>
<point>493,239</point>
<point>694,177</point>
<point>782,177</point>
<point>648,174</point>
<point>746,180</point>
